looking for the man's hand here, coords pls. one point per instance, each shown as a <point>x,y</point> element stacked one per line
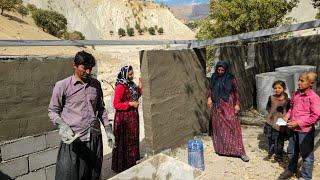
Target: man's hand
<point>292,124</point>
<point>134,104</point>
<point>209,103</point>
<point>236,109</point>
<point>65,132</point>
<point>110,136</point>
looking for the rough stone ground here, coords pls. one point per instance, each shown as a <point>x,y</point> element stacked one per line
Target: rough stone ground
<point>220,167</point>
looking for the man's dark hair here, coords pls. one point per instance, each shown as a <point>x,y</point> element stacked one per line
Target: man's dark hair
<point>84,58</point>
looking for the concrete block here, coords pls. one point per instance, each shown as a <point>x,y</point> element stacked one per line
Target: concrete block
<point>15,167</point>
<point>43,159</point>
<point>23,146</point>
<point>53,139</point>
<point>160,167</point>
<point>35,175</point>
<point>51,172</point>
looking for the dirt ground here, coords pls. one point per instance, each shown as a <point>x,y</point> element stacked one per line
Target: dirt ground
<point>221,167</point>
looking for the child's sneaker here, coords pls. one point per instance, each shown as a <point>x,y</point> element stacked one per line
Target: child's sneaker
<point>278,159</point>
<point>270,156</point>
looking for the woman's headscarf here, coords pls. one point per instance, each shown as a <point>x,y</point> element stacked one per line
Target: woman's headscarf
<point>221,86</point>
<point>123,78</point>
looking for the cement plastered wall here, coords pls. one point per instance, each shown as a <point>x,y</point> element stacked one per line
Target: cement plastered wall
<point>174,97</point>
<point>26,87</point>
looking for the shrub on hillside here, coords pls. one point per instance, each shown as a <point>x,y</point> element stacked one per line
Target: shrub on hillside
<point>152,31</point>
<point>23,10</point>
<point>50,21</point>
<point>76,35</point>
<point>140,31</point>
<point>145,29</point>
<point>31,7</point>
<point>137,26</point>
<point>160,30</point>
<point>130,31</point>
<point>121,32</point>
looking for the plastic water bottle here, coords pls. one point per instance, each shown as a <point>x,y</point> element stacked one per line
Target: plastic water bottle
<point>195,153</point>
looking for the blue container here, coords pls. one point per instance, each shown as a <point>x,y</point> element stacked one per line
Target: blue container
<point>195,154</point>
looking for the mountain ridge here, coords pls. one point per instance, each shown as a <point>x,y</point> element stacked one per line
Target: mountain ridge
<point>182,2</point>
<point>100,19</point>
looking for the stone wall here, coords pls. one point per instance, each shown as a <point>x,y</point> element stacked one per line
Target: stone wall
<point>174,97</point>
<point>26,88</point>
<point>31,157</point>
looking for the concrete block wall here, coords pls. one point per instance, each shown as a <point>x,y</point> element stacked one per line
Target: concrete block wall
<point>32,157</point>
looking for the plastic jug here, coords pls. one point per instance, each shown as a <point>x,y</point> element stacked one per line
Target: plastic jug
<point>195,153</point>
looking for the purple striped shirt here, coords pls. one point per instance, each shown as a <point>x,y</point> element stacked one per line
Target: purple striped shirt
<point>79,105</point>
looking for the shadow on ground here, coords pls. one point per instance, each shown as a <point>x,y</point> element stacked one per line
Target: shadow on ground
<point>13,18</point>
<point>263,145</point>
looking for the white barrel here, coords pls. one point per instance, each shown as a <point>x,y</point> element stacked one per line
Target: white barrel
<point>264,83</point>
<point>296,71</point>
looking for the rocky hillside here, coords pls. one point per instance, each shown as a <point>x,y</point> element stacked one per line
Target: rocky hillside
<point>182,2</point>
<point>304,12</point>
<point>101,19</point>
<point>190,12</point>
<point>14,27</point>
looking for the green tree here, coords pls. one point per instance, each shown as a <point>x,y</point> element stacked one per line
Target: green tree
<point>23,10</point>
<point>140,31</point>
<point>31,7</point>
<point>130,31</point>
<point>160,30</point>
<point>145,29</point>
<point>76,35</point>
<point>9,5</point>
<point>137,26</point>
<point>240,16</point>
<point>121,32</point>
<point>50,21</point>
<point>152,31</point>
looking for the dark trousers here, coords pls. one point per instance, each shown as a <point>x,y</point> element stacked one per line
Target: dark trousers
<point>80,160</point>
<point>276,146</point>
<point>301,143</point>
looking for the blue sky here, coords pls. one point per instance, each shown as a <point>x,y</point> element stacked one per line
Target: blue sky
<point>182,2</point>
